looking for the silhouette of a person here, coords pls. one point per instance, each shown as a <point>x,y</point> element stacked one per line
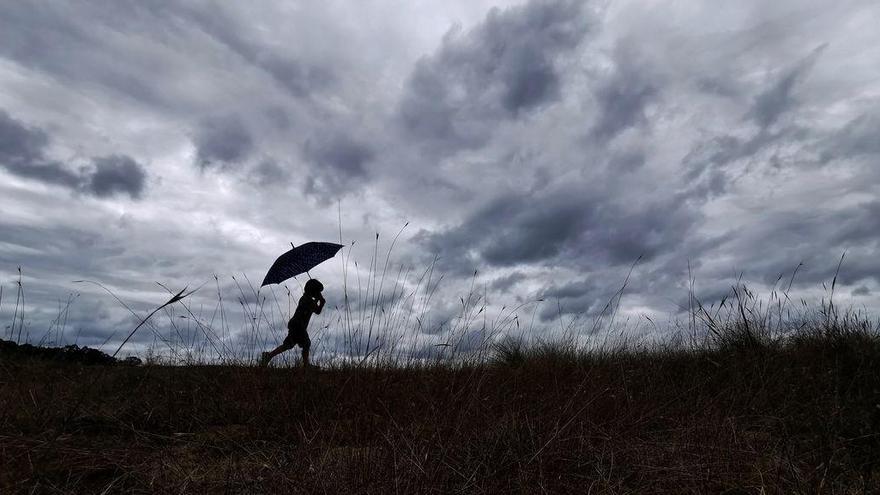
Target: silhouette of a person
<point>311,302</point>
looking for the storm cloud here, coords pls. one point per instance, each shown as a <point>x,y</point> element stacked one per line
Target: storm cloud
<point>116,174</point>
<point>494,72</point>
<point>338,162</point>
<point>772,103</point>
<point>23,153</point>
<point>222,141</point>
<point>578,228</point>
<point>857,139</point>
<point>623,96</point>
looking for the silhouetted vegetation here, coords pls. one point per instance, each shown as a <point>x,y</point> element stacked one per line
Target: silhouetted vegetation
<point>743,395</point>
<point>756,406</point>
<point>10,350</point>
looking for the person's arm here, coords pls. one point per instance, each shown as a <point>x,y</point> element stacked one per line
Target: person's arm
<point>319,304</point>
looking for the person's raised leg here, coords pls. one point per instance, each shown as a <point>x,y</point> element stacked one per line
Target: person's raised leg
<point>267,356</point>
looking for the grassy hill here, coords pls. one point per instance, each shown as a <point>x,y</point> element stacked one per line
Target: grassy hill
<point>745,413</point>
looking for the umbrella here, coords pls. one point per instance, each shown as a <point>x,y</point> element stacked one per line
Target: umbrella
<point>300,260</point>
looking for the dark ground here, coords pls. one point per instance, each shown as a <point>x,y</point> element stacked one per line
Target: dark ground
<point>803,417</point>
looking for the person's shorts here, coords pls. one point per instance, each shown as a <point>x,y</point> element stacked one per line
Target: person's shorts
<point>298,336</point>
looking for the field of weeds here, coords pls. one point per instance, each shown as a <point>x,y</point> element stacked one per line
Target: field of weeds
<point>799,414</point>
<point>747,396</point>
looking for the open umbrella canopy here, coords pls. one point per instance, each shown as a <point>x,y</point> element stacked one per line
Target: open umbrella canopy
<point>299,260</point>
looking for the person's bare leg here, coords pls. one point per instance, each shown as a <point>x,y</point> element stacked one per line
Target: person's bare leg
<point>305,355</point>
<point>267,356</point>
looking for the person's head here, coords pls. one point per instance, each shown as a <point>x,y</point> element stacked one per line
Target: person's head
<point>313,287</point>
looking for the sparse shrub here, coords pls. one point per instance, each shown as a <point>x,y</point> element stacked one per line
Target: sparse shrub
<point>509,352</point>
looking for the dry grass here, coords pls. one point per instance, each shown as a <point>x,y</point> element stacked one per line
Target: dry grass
<point>799,414</point>
<point>751,396</point>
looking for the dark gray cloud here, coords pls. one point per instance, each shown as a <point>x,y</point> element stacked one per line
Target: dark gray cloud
<point>629,160</point>
<point>710,163</point>
<point>773,102</point>
<point>861,291</point>
<point>300,78</point>
<point>116,174</point>
<point>508,281</point>
<point>269,173</point>
<point>765,252</point>
<point>573,227</point>
<point>858,138</point>
<point>337,162</point>
<point>55,41</point>
<point>502,67</point>
<point>509,230</point>
<point>18,143</point>
<point>60,41</point>
<point>578,298</point>
<point>222,142</point>
<point>49,172</point>
<point>72,253</point>
<point>707,165</point>
<point>622,98</point>
<point>22,152</point>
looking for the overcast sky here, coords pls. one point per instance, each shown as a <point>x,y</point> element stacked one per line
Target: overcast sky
<point>547,145</point>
